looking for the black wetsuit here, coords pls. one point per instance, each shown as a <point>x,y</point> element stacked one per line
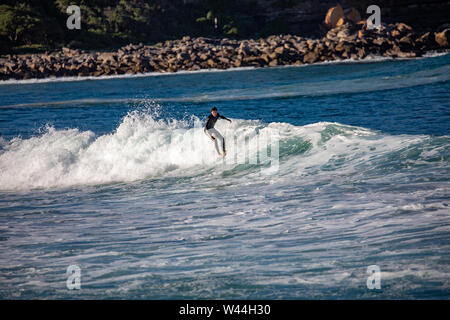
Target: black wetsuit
<point>209,126</point>
<point>212,121</point>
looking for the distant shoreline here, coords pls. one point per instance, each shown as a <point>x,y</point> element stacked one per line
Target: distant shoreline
<point>369,59</point>
<point>347,42</point>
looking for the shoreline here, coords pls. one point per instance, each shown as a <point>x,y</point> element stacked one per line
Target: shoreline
<point>347,42</point>
<point>369,59</point>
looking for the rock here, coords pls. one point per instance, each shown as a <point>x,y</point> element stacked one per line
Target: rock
<point>319,49</point>
<point>347,40</point>
<point>425,41</point>
<point>402,27</point>
<point>10,65</point>
<point>83,71</point>
<point>273,63</point>
<point>397,52</point>
<point>406,41</point>
<point>395,33</point>
<point>361,34</point>
<point>136,58</point>
<point>273,55</point>
<point>402,54</point>
<point>353,15</point>
<point>301,46</point>
<point>70,52</point>
<point>333,15</point>
<point>224,60</point>
<point>310,57</point>
<point>399,30</point>
<point>361,53</point>
<point>183,56</point>
<point>380,41</point>
<point>254,61</point>
<point>108,57</point>
<point>339,47</point>
<point>332,35</point>
<point>310,43</point>
<point>27,75</point>
<point>243,49</point>
<point>340,22</point>
<point>425,37</point>
<point>172,61</point>
<point>33,66</point>
<point>343,34</point>
<point>265,57</point>
<point>361,23</point>
<point>203,56</point>
<point>443,38</point>
<point>279,50</point>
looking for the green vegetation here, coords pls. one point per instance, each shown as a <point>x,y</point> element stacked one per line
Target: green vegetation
<point>108,24</point>
<point>37,25</point>
<point>235,19</point>
<point>41,25</point>
<point>25,23</point>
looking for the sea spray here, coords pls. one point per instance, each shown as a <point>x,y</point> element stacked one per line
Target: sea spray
<point>143,146</point>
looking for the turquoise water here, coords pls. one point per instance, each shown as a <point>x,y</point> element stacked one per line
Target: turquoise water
<point>116,176</point>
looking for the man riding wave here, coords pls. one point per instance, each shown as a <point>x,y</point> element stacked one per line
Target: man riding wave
<point>213,133</point>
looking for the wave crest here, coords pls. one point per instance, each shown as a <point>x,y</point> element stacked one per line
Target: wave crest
<point>144,146</point>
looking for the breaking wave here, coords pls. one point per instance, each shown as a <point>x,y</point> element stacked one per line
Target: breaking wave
<point>143,146</point>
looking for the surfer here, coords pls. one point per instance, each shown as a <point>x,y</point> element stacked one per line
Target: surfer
<point>213,133</point>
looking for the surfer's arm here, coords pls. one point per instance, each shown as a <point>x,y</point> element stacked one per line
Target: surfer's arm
<point>224,118</point>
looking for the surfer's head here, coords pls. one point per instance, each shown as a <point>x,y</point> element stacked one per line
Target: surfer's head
<point>214,111</point>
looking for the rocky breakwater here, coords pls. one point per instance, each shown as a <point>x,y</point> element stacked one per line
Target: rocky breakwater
<point>346,40</point>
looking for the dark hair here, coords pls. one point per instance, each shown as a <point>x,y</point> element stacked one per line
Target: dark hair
<point>213,109</point>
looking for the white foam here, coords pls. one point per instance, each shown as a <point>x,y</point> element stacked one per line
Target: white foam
<point>143,147</point>
<point>118,76</point>
<point>140,147</point>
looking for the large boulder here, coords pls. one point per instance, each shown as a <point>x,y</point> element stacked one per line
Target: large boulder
<point>443,38</point>
<point>183,56</point>
<point>211,63</point>
<point>426,41</point>
<point>265,57</point>
<point>402,27</point>
<point>273,63</point>
<point>311,57</point>
<point>243,49</point>
<point>353,15</point>
<point>280,50</point>
<point>70,52</point>
<point>108,57</point>
<point>333,15</point>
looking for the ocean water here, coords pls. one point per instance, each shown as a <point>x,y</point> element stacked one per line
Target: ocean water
<point>115,176</point>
